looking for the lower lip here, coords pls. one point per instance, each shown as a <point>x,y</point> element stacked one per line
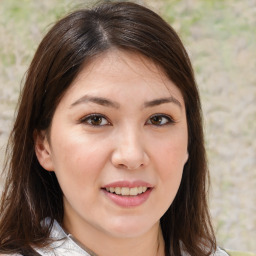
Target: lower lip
<point>128,201</point>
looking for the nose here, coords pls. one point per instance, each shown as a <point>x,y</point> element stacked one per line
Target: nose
<point>130,152</point>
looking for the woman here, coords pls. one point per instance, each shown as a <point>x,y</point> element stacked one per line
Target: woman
<point>107,154</point>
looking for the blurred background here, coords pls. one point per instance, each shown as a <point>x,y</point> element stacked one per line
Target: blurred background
<point>220,36</point>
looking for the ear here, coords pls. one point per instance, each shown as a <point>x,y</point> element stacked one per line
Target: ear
<point>43,150</point>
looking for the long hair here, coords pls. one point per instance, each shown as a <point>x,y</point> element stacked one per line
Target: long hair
<point>32,193</point>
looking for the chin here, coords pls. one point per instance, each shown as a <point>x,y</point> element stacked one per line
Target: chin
<point>130,228</point>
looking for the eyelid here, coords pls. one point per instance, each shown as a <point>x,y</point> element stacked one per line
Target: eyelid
<point>170,119</point>
<point>86,117</point>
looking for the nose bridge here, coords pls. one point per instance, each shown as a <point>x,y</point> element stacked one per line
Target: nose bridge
<point>130,151</point>
<point>130,140</point>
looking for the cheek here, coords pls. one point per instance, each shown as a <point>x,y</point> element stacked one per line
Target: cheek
<point>78,167</point>
<point>170,158</point>
<point>171,168</point>
<point>171,152</point>
<point>170,175</point>
<point>78,160</point>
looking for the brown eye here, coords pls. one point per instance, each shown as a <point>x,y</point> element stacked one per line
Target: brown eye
<point>160,120</point>
<point>95,120</point>
<point>156,120</point>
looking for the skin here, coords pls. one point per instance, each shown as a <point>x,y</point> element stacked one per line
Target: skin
<point>126,142</point>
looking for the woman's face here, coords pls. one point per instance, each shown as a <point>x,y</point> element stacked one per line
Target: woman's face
<point>118,144</point>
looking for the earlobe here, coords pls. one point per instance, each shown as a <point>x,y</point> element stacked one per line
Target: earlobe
<point>43,150</point>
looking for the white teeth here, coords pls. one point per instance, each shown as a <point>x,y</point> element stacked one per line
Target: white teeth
<point>118,191</point>
<point>140,190</point>
<point>133,191</point>
<point>125,191</point>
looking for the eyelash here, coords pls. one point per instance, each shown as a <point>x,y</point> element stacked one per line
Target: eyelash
<point>88,120</point>
<point>169,120</point>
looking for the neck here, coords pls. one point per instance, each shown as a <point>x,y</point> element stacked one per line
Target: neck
<point>151,243</point>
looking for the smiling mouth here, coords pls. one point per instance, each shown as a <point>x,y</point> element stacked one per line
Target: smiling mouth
<point>126,191</point>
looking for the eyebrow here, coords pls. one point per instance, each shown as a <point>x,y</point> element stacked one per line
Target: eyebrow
<point>160,101</point>
<point>108,103</point>
<point>97,100</point>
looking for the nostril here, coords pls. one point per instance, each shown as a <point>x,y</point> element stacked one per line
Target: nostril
<point>122,166</point>
<point>129,158</point>
<point>130,166</point>
<point>135,167</point>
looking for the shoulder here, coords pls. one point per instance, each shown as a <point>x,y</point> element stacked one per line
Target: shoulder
<point>220,252</point>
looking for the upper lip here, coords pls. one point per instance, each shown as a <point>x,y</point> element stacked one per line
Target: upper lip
<point>129,184</point>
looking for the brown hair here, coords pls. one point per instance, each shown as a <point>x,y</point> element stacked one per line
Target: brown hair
<point>31,193</point>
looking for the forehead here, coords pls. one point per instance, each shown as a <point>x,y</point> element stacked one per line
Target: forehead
<point>117,71</point>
